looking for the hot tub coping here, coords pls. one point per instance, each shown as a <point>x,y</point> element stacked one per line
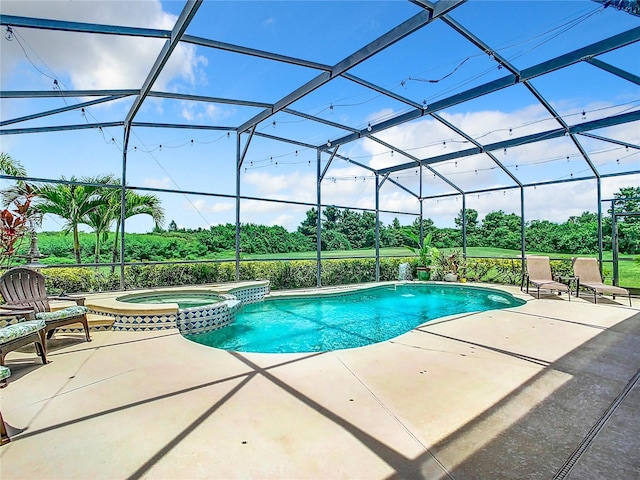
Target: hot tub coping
<point>108,303</point>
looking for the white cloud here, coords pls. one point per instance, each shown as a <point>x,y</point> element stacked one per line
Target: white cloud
<point>193,111</point>
<point>96,61</point>
<point>158,182</point>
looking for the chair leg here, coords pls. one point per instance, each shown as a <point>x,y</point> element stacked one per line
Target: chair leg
<point>41,347</point>
<point>86,327</point>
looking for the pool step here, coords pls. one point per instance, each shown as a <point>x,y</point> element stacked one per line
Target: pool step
<point>99,322</point>
<point>96,323</point>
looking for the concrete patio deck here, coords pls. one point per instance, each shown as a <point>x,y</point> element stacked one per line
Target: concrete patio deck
<point>548,390</point>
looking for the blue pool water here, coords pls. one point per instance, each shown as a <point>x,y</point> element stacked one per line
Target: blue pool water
<point>318,324</point>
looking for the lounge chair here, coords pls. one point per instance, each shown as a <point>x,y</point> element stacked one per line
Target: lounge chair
<point>539,275</point>
<point>25,288</point>
<point>588,273</point>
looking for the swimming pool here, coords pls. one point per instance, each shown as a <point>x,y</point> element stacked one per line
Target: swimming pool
<point>325,323</point>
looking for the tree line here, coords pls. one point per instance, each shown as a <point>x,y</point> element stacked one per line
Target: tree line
<point>96,203</point>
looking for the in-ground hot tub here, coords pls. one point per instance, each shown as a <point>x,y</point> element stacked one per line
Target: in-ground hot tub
<point>184,299</point>
<point>191,310</point>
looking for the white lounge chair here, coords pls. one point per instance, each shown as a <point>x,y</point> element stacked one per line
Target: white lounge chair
<point>539,275</point>
<point>588,273</point>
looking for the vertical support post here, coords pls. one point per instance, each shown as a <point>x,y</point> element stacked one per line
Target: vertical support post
<point>123,200</point>
<point>614,242</point>
<point>238,167</point>
<point>523,241</point>
<point>421,211</point>
<point>319,221</point>
<point>464,225</point>
<point>377,227</point>
<point>599,190</point>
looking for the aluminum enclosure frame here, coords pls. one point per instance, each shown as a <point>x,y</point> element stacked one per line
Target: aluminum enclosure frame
<point>430,13</point>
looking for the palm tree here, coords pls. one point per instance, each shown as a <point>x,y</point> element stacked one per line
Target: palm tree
<point>9,166</point>
<point>136,204</point>
<point>104,214</point>
<point>71,202</point>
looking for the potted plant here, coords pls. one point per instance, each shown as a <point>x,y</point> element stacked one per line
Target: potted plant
<point>449,265</point>
<point>425,252</point>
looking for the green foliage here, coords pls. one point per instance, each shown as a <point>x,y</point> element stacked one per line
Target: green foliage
<point>451,262</point>
<point>425,251</point>
<point>69,280</point>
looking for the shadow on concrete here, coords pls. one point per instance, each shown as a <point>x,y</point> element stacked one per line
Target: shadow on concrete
<point>537,445</point>
<point>495,444</point>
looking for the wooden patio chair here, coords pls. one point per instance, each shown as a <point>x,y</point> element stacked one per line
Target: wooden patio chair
<point>587,272</point>
<point>22,332</point>
<point>24,288</point>
<point>539,275</point>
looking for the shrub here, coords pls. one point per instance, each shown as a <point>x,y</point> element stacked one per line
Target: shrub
<point>281,274</point>
<point>69,280</point>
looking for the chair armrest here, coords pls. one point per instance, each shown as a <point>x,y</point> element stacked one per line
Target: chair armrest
<point>565,278</point>
<point>7,310</point>
<point>78,300</point>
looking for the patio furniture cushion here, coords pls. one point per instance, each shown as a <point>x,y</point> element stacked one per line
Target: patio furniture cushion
<point>75,311</point>
<point>11,332</point>
<point>4,372</point>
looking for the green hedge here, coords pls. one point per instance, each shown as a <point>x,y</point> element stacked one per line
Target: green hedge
<point>281,274</point>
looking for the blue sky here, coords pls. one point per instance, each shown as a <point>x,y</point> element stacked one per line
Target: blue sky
<point>427,66</point>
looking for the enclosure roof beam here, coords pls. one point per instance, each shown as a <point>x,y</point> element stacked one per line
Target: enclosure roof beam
<point>186,126</point>
<point>381,90</point>
<point>477,144</point>
<point>417,160</point>
<point>597,48</point>
<point>502,62</point>
<point>615,70</point>
<point>438,8</point>
<point>204,42</point>
<point>480,44</point>
<point>394,35</point>
<point>60,128</point>
<point>402,187</point>
<point>371,137</point>
<point>326,167</point>
<point>564,125</point>
<point>60,110</point>
<point>187,14</point>
<point>353,162</point>
<point>533,138</point>
<point>203,98</point>
<point>612,43</point>
<point>610,140</point>
<point>67,93</point>
<point>286,140</point>
<point>81,27</point>
<point>319,120</point>
<point>535,184</point>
